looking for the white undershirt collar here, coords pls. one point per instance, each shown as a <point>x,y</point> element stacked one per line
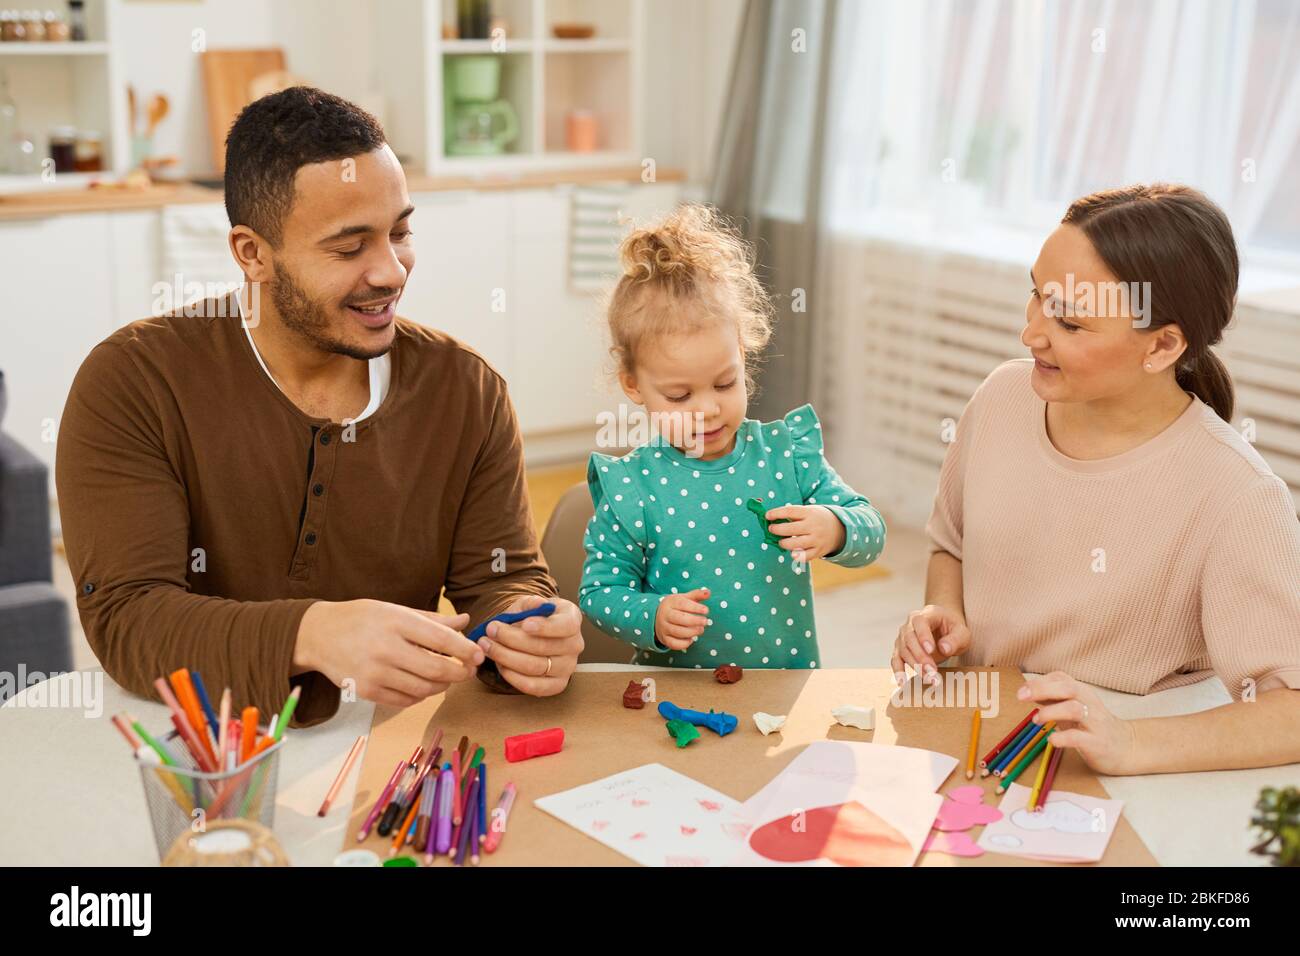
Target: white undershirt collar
<point>380,368</point>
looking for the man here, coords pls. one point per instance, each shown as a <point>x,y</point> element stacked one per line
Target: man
<point>279,499</point>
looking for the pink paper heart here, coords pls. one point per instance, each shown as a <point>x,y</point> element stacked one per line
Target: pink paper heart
<point>954,844</point>
<point>687,831</point>
<point>965,808</point>
<point>637,802</point>
<point>599,825</point>
<point>637,836</point>
<point>709,805</point>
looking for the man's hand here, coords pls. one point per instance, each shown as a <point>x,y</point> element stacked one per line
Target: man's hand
<point>539,654</point>
<point>397,655</point>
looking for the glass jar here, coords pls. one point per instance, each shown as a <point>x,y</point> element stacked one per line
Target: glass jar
<point>34,26</point>
<point>63,148</point>
<point>89,156</point>
<point>56,29</point>
<point>12,27</point>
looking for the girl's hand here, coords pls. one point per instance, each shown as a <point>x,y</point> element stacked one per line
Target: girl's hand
<point>928,637</point>
<point>1105,742</point>
<point>681,618</point>
<point>812,530</point>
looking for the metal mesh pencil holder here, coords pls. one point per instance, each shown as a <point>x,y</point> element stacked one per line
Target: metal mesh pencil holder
<point>183,798</point>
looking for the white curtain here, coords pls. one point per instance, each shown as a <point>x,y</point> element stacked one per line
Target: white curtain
<point>965,112</point>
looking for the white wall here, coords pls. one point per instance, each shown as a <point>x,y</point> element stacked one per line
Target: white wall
<point>689,46</point>
<point>155,40</point>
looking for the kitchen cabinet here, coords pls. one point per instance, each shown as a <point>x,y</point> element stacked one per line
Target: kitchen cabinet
<point>58,304</point>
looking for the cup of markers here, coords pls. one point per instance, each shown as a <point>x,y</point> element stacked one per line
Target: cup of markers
<point>209,766</point>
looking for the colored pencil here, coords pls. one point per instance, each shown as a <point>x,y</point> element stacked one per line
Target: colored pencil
<point>988,757</point>
<point>379,804</point>
<point>1038,777</point>
<point>333,792</point>
<point>1009,752</point>
<point>1030,748</point>
<point>1027,759</point>
<point>1057,755</point>
<point>974,744</point>
<point>124,728</point>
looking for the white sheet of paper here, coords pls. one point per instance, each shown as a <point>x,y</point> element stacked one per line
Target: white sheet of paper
<point>654,815</point>
<point>898,784</point>
<point>1072,828</point>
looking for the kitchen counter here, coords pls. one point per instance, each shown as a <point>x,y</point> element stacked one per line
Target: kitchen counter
<point>37,204</point>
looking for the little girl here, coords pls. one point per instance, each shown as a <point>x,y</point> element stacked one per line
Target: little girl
<point>678,565</point>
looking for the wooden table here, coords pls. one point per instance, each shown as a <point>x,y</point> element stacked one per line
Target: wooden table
<point>602,737</point>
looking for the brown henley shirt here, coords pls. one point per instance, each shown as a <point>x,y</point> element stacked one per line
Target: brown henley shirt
<point>203,512</point>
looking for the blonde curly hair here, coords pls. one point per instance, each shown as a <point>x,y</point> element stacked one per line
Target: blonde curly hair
<point>689,271</point>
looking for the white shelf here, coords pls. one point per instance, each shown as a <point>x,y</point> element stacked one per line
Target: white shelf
<point>452,47</point>
<point>43,48</point>
<point>543,77</point>
<point>594,45</point>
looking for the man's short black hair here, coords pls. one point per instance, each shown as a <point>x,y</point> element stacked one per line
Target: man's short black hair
<point>273,137</point>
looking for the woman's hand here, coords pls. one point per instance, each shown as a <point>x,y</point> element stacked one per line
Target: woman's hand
<point>681,618</point>
<point>928,637</point>
<point>810,529</point>
<point>1105,742</point>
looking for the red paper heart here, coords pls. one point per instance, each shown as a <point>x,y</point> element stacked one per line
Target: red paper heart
<point>847,833</point>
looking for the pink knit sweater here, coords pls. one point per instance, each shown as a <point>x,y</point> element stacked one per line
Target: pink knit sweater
<point>1158,567</point>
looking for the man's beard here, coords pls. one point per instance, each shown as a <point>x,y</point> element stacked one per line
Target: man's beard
<point>309,317</point>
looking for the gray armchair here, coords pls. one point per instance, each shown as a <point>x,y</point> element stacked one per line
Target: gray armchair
<point>33,617</point>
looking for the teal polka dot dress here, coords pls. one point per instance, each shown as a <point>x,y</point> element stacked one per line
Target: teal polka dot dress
<point>666,523</point>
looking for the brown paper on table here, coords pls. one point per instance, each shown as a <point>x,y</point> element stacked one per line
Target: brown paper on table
<point>602,737</point>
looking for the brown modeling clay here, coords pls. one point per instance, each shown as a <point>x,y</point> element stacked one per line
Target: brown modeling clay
<point>632,696</point>
<point>728,674</point>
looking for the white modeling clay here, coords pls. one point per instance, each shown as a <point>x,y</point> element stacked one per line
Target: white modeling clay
<point>769,723</point>
<point>864,718</point>
<point>648,695</point>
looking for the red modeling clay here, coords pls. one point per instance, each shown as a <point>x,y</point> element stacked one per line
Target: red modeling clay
<point>632,696</point>
<point>728,674</point>
<point>539,744</point>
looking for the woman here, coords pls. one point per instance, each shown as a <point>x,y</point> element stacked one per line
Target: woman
<point>1099,520</point>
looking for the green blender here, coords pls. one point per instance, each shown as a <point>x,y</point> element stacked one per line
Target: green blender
<point>477,121</point>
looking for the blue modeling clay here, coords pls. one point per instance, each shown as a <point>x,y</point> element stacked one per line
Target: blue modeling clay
<point>512,617</point>
<point>720,724</point>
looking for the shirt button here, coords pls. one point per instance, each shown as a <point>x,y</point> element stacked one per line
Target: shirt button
<point>311,537</point>
<point>318,490</point>
<point>87,588</point>
<point>325,438</point>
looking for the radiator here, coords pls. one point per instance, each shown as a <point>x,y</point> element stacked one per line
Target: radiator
<point>913,333</point>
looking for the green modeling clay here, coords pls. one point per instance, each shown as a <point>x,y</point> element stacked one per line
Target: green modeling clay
<point>683,731</point>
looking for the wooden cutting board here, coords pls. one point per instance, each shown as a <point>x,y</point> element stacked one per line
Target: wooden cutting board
<point>226,78</point>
